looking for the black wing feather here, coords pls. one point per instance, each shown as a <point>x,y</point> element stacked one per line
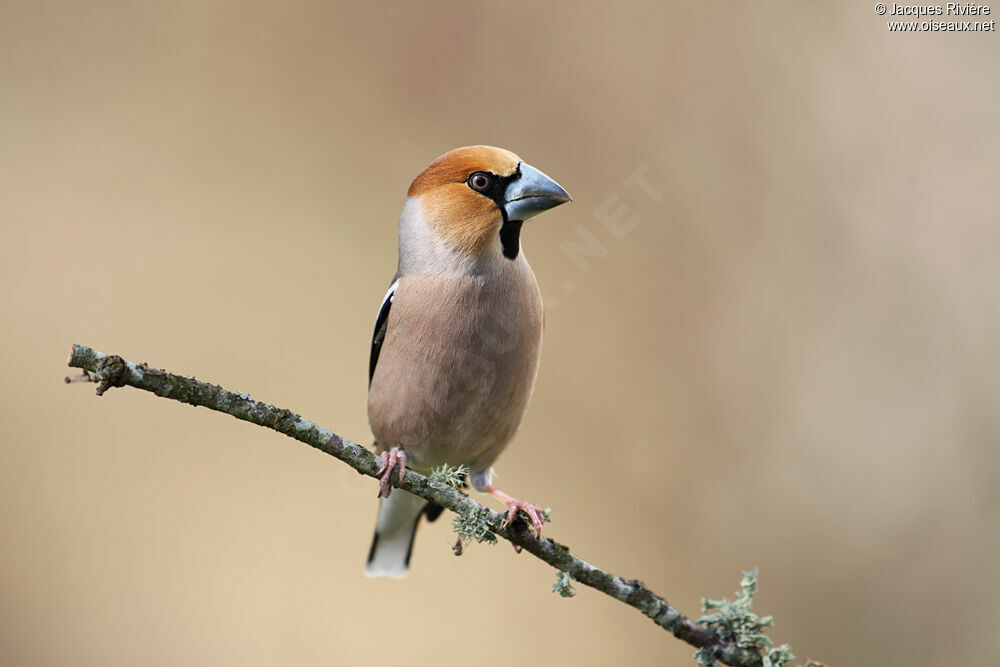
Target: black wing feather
<point>381,324</point>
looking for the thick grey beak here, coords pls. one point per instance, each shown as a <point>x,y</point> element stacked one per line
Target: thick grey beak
<point>532,193</point>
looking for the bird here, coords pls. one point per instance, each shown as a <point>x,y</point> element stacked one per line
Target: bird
<point>457,339</point>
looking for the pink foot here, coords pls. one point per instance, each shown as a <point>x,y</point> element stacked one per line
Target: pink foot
<point>514,506</point>
<point>391,459</point>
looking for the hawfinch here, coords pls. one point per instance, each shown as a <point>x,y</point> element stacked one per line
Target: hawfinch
<point>457,338</point>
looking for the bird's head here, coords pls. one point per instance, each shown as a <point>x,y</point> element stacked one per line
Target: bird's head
<point>475,194</point>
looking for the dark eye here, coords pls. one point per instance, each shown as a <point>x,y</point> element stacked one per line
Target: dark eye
<point>480,181</point>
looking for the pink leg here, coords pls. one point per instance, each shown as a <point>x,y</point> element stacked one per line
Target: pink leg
<point>391,459</point>
<point>514,506</point>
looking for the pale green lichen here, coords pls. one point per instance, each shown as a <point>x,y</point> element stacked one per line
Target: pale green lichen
<point>705,657</point>
<point>736,623</point>
<point>447,475</point>
<point>778,656</point>
<point>474,525</point>
<point>563,585</point>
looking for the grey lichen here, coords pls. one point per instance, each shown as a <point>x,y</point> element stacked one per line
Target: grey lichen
<point>111,374</point>
<point>474,525</point>
<point>736,623</point>
<point>564,585</point>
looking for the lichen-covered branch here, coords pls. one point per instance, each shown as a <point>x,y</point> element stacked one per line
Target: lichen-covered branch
<point>113,371</point>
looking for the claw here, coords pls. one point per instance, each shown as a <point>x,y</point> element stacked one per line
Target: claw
<point>394,458</point>
<point>533,511</point>
<point>514,506</point>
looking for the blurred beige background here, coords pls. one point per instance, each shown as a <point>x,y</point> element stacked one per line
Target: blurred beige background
<point>790,361</point>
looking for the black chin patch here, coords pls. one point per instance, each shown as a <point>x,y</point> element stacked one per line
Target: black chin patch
<point>510,238</point>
